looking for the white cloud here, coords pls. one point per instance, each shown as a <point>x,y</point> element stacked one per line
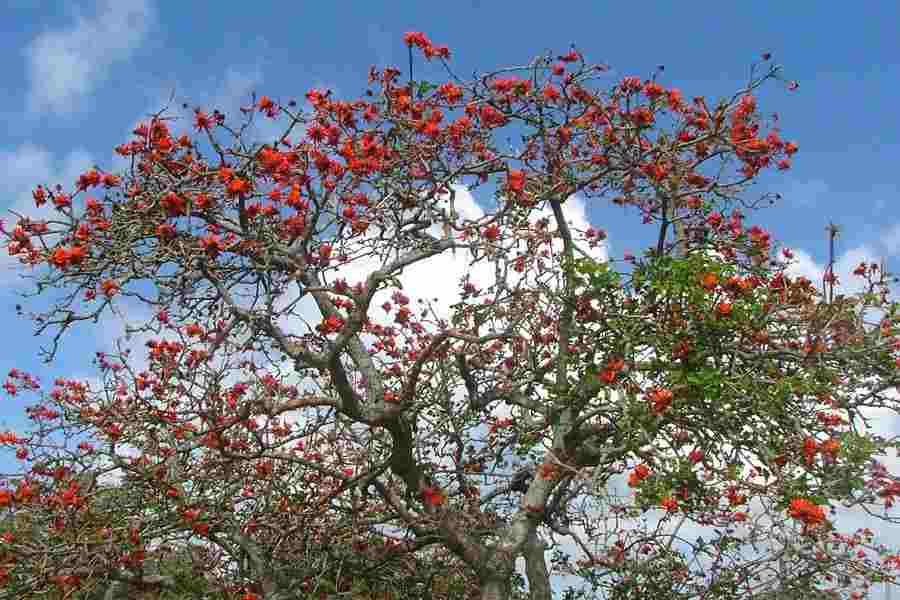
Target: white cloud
<point>805,265</point>
<point>438,279</point>
<point>66,65</point>
<point>24,168</point>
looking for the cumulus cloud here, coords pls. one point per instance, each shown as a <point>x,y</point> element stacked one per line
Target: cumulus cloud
<point>438,279</point>
<point>805,265</point>
<point>25,167</point>
<point>65,65</point>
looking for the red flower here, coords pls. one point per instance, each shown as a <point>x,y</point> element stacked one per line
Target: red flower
<point>64,257</point>
<point>669,503</point>
<point>166,232</point>
<point>661,399</point>
<point>433,496</point>
<point>830,447</point>
<point>110,288</point>
<point>40,196</point>
<point>810,513</point>
<point>190,514</point>
<point>332,324</point>
<point>515,182</point>
<point>491,117</point>
<point>810,448</point>
<point>61,200</point>
<point>88,180</point>
<point>723,309</point>
<point>212,245</point>
<point>238,187</point>
<point>607,376</point>
<point>201,528</point>
<point>639,474</point>
<point>173,204</point>
<point>202,120</point>
<point>193,330</point>
<point>450,92</point>
<point>570,56</point>
<point>709,281</point>
<point>267,106</point>
<point>550,93</point>
<point>416,38</point>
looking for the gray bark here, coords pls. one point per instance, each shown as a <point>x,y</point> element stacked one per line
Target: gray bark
<point>536,569</point>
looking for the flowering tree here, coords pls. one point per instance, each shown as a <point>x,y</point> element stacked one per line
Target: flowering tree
<point>689,423</point>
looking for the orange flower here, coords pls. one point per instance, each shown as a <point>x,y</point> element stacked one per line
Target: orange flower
<point>433,496</point>
<point>193,330</point>
<point>201,528</point>
<point>450,92</point>
<point>640,473</point>
<point>724,309</point>
<point>548,471</point>
<point>810,448</point>
<point>173,204</point>
<point>681,349</point>
<point>267,106</point>
<point>110,288</point>
<point>238,187</point>
<point>551,93</point>
<point>661,399</point>
<point>734,498</point>
<point>669,503</point>
<point>808,512</point>
<point>492,232</point>
<point>331,324</point>
<point>616,364</point>
<point>607,376</point>
<point>709,281</point>
<point>515,181</point>
<point>831,447</point>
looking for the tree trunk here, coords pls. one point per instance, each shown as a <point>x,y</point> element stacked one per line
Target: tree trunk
<point>536,569</point>
<point>495,589</point>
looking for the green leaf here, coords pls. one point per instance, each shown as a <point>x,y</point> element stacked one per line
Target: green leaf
<point>424,87</point>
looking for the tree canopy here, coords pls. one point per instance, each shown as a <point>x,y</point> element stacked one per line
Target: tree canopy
<point>308,404</point>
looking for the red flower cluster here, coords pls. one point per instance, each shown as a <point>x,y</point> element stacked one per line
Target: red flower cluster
<point>660,399</point>
<point>421,41</point>
<point>433,496</point>
<point>332,324</point>
<point>806,511</point>
<point>66,257</point>
<point>640,473</point>
<point>611,372</point>
<point>709,281</point>
<point>669,503</point>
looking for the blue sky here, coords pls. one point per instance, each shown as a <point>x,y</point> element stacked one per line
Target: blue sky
<point>80,74</point>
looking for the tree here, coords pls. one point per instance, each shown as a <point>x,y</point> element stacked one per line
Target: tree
<point>687,423</point>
